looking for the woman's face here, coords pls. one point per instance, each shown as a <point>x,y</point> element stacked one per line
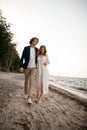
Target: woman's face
<point>42,50</point>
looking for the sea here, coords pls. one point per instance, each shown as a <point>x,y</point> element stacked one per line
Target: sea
<point>74,85</point>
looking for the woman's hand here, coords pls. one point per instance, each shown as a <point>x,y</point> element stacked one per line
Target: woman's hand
<point>45,63</point>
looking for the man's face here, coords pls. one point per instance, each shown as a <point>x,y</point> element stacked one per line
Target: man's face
<point>34,42</point>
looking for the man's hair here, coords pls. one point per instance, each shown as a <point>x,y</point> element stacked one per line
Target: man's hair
<point>32,39</point>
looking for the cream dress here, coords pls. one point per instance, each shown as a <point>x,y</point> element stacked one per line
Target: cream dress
<point>42,74</point>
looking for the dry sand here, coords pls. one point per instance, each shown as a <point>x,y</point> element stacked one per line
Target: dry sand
<point>59,110</point>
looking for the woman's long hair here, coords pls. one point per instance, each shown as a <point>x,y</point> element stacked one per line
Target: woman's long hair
<point>39,51</point>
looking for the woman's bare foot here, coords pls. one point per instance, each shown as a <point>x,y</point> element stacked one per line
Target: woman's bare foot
<point>40,98</point>
<point>38,94</point>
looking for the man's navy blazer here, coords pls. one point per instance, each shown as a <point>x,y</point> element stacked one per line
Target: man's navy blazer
<point>26,57</point>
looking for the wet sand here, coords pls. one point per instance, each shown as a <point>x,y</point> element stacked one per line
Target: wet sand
<point>59,110</point>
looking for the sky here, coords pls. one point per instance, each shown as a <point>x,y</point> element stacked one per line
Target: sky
<point>60,25</point>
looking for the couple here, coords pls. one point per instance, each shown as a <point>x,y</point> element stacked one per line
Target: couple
<point>35,59</point>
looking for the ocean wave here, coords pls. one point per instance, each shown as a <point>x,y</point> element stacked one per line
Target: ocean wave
<point>68,82</point>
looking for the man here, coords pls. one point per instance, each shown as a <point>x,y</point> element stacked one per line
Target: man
<point>29,63</point>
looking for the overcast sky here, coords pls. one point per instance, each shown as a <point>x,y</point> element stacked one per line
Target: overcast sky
<point>61,25</point>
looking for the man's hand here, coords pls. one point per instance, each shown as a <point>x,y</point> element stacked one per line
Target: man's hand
<point>21,70</point>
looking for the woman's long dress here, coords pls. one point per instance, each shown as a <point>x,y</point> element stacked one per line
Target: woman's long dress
<point>42,74</point>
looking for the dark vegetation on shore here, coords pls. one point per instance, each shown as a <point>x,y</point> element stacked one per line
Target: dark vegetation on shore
<point>9,58</point>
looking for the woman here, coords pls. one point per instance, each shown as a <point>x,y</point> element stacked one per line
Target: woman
<point>42,72</point>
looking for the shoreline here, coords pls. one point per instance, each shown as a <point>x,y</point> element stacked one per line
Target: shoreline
<point>71,90</point>
<point>68,94</point>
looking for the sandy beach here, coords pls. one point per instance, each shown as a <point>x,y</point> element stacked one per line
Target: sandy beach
<point>59,110</point>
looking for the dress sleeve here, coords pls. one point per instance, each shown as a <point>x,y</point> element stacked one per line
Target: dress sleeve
<point>47,60</point>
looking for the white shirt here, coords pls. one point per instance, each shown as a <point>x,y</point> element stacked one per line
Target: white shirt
<point>31,63</point>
